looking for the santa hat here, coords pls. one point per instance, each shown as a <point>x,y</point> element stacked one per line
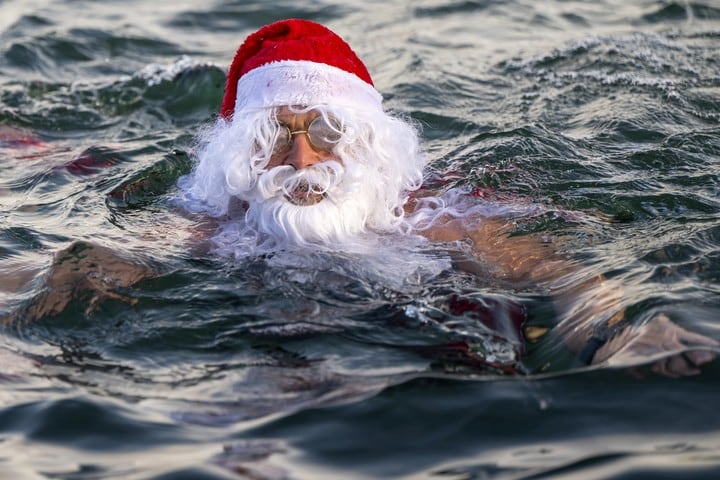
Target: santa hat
<point>297,62</point>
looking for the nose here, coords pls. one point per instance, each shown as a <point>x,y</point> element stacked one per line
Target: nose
<point>302,154</point>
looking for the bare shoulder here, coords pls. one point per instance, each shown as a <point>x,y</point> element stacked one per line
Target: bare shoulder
<point>494,240</point>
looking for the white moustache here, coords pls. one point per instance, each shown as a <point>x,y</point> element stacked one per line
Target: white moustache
<point>304,187</point>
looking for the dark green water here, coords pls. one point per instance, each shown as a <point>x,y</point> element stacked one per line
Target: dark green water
<point>270,369</point>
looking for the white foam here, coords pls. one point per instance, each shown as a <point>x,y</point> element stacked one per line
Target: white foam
<point>155,73</point>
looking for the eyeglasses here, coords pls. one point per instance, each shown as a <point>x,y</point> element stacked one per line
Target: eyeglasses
<point>323,135</point>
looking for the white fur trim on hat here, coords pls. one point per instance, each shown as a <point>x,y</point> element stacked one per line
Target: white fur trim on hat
<point>304,83</point>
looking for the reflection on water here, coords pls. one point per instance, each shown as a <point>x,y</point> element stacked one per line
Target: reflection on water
<point>398,365</point>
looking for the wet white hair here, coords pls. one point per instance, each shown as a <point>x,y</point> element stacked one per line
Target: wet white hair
<point>379,162</point>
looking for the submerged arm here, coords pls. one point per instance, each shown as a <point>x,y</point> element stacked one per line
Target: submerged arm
<point>590,308</point>
<point>84,271</point>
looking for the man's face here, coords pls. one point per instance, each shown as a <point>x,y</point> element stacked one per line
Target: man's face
<point>310,190</point>
<point>303,140</point>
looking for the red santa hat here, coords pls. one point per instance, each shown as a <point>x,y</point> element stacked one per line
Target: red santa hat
<point>297,62</point>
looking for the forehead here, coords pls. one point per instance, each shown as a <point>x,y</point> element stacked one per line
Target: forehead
<point>297,113</point>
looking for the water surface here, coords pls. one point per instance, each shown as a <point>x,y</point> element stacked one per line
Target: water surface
<point>326,367</point>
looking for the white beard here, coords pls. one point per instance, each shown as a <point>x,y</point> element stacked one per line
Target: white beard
<point>326,204</point>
